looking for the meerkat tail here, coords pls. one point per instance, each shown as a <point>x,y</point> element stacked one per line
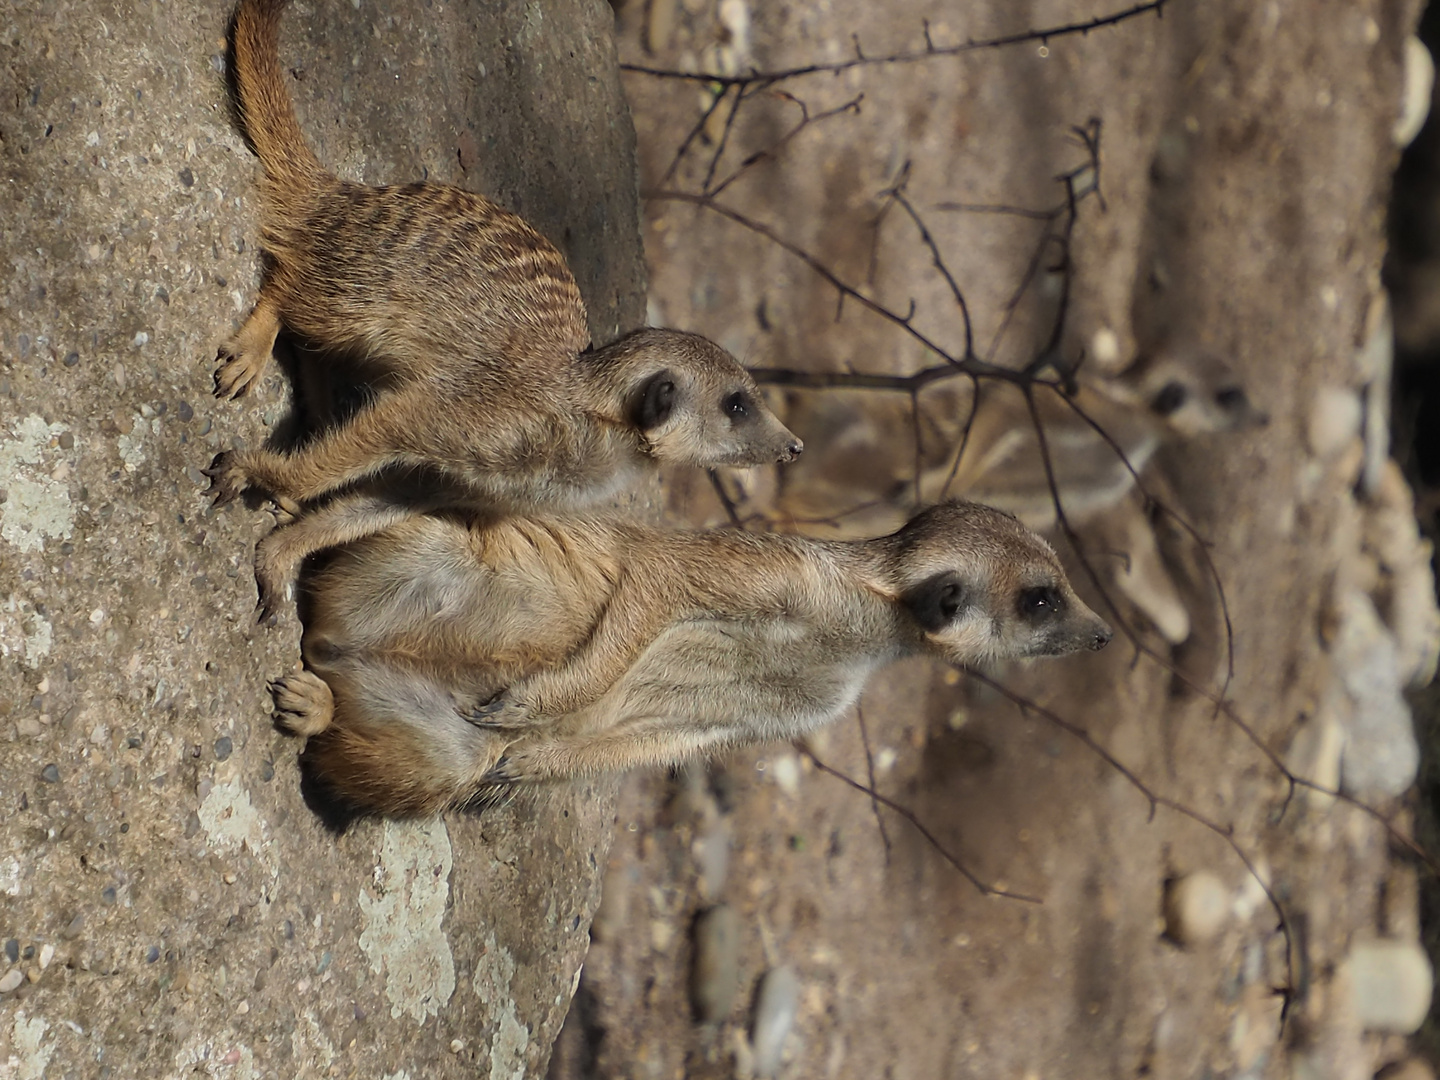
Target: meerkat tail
<point>398,747</point>
<point>265,105</point>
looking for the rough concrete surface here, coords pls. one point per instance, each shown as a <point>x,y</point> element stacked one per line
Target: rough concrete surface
<point>168,905</point>
<point>1246,161</point>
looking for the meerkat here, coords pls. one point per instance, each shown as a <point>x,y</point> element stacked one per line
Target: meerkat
<point>476,324</point>
<point>448,660</point>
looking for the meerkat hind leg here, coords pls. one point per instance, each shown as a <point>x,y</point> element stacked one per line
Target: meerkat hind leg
<point>279,554</point>
<point>636,743</point>
<point>304,704</point>
<point>243,357</point>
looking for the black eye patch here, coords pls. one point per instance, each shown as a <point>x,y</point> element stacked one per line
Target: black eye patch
<point>1171,397</point>
<point>736,406</point>
<point>936,601</point>
<point>1232,399</point>
<point>655,401</point>
<point>1040,603</point>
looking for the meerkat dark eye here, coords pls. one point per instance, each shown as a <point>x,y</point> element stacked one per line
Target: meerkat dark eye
<point>655,402</point>
<point>936,601</point>
<point>1042,602</point>
<point>1232,399</point>
<point>1171,397</point>
<point>736,407</point>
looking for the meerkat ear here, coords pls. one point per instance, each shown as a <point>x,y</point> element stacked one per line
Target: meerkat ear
<point>655,401</point>
<point>936,601</point>
<point>1171,396</point>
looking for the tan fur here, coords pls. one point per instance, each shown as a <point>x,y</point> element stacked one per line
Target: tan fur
<point>573,647</point>
<point>476,324</point>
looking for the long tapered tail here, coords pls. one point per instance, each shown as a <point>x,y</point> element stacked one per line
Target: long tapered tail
<point>265,106</point>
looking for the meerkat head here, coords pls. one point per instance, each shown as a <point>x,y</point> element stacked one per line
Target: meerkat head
<point>693,403</point>
<point>981,586</point>
<point>1196,393</point>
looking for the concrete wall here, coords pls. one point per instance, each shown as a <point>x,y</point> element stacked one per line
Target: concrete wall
<point>168,904</point>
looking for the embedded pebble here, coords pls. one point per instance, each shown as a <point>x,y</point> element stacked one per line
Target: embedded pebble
<point>1105,349</point>
<point>1392,535</point>
<point>785,771</point>
<point>774,1016</point>
<point>1415,102</point>
<point>1196,907</point>
<point>1390,985</point>
<point>715,975</point>
<point>50,774</point>
<point>1335,419</point>
<point>11,980</point>
<point>223,747</point>
<point>47,953</point>
<point>1381,755</point>
<point>712,856</point>
<point>12,950</point>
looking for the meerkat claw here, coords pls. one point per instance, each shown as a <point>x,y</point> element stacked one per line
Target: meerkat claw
<point>504,771</point>
<point>499,712</point>
<point>265,613</point>
<point>283,510</point>
<point>227,481</point>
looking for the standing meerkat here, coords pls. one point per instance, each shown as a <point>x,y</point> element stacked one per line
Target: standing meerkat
<point>476,324</point>
<point>447,661</point>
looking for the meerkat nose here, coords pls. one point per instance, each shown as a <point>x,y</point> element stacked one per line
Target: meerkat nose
<point>1102,637</point>
<point>792,451</point>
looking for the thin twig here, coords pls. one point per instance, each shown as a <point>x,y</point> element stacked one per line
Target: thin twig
<point>870,776</point>
<point>1155,801</point>
<point>908,815</point>
<point>930,52</point>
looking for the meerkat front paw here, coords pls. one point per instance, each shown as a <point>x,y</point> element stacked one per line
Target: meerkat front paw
<point>502,711</point>
<point>303,703</point>
<point>273,577</point>
<point>267,604</point>
<point>227,478</point>
<point>283,510</point>
<point>236,369</point>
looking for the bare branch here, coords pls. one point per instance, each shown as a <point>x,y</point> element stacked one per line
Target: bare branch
<point>870,777</point>
<point>908,815</point>
<point>930,52</point>
<point>1156,800</point>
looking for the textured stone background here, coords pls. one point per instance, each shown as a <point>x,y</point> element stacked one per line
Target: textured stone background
<point>167,903</point>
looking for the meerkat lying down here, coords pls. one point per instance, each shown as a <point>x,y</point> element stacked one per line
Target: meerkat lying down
<point>449,660</point>
<point>475,324</point>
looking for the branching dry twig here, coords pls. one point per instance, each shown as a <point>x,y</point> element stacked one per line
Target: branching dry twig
<point>909,815</point>
<point>930,52</point>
